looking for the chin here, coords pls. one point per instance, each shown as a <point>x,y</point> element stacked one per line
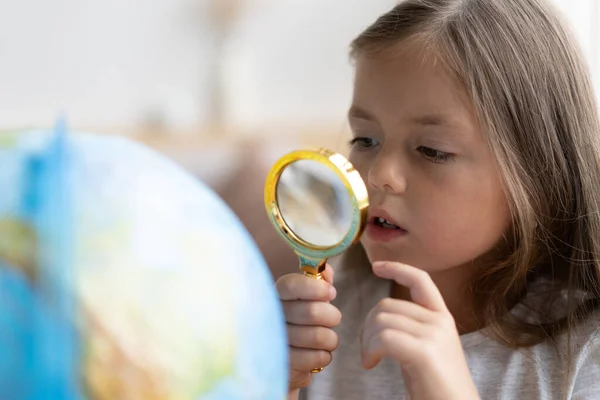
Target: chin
<point>378,253</point>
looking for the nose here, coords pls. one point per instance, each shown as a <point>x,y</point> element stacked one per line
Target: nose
<point>387,174</point>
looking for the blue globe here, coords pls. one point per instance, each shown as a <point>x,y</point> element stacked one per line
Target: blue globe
<point>123,277</point>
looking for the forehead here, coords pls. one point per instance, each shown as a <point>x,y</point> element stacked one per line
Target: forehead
<point>410,83</point>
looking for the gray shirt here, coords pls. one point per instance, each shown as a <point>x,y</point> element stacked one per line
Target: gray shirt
<point>499,372</point>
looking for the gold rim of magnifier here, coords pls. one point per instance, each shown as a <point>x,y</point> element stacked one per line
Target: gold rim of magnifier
<point>352,182</point>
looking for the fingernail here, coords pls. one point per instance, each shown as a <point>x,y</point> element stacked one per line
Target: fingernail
<point>378,264</point>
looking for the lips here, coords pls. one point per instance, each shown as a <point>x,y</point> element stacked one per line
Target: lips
<point>384,223</point>
<point>382,219</point>
<point>383,229</point>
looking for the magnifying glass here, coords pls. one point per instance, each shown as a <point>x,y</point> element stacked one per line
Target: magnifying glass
<point>318,203</point>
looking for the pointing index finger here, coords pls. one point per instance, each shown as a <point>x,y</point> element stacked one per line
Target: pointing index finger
<point>422,289</point>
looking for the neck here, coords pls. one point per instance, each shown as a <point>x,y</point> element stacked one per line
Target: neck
<point>453,286</point>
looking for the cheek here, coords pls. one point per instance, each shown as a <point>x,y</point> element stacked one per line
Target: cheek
<point>359,163</point>
<point>362,162</point>
<point>458,226</point>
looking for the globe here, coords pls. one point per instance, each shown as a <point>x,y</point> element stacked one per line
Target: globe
<point>123,277</point>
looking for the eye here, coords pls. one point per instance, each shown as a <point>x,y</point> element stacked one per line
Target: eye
<point>363,143</point>
<point>436,156</point>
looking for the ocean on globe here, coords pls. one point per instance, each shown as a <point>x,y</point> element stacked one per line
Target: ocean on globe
<point>123,277</point>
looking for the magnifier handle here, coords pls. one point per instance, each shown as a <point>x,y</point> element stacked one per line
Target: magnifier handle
<point>313,269</point>
<point>315,276</point>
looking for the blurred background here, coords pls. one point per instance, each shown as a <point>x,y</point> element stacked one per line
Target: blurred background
<point>223,87</point>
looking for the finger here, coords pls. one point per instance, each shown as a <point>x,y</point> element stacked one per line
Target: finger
<point>382,321</point>
<point>307,360</point>
<point>375,324</point>
<point>314,313</point>
<point>422,289</point>
<point>328,274</point>
<point>403,307</point>
<point>312,337</point>
<point>388,343</point>
<point>300,287</point>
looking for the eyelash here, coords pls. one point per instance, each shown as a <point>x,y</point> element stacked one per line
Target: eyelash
<point>436,156</point>
<point>431,154</point>
<point>360,142</point>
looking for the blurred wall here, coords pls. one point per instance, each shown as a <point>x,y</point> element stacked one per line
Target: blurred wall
<point>104,63</point>
<point>114,64</point>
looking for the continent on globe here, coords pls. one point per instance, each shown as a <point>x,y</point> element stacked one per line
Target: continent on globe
<point>18,243</point>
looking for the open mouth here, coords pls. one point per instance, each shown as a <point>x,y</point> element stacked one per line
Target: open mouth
<point>384,223</point>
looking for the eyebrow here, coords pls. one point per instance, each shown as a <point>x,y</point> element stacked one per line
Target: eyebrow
<point>359,113</point>
<point>433,119</point>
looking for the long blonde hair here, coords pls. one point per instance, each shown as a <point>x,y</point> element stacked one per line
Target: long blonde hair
<point>535,102</point>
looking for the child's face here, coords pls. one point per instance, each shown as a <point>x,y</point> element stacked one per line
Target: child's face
<point>427,166</point>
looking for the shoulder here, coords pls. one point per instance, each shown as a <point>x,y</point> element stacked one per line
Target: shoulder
<point>585,357</point>
<point>568,364</point>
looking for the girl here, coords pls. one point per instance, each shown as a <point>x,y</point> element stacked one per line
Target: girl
<point>476,131</point>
